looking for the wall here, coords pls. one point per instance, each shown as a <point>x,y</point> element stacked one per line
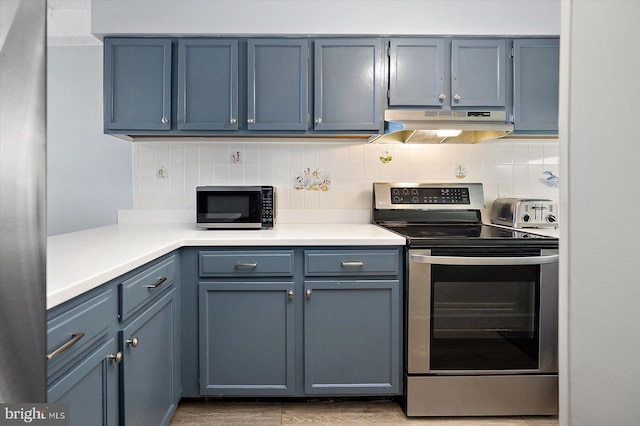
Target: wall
<point>89,174</point>
<point>165,174</point>
<point>390,17</point>
<point>600,281</point>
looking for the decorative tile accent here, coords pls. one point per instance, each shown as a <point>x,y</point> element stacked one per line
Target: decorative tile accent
<point>551,180</point>
<point>314,180</point>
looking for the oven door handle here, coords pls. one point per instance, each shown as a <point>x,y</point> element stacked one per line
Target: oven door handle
<point>461,260</point>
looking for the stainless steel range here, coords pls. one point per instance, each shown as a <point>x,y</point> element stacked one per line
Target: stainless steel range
<point>481,305</point>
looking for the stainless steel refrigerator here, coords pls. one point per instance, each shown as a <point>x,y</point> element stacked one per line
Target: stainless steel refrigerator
<point>22,200</point>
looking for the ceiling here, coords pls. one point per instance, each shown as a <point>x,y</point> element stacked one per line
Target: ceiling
<point>69,23</point>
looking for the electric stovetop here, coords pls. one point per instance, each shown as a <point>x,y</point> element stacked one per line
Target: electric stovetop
<point>454,234</point>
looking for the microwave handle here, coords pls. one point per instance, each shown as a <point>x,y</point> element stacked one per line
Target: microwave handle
<point>459,260</point>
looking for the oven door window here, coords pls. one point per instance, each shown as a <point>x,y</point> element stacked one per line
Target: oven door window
<point>229,207</point>
<point>484,317</point>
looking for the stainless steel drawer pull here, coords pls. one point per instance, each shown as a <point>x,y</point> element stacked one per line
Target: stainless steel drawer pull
<point>75,337</point>
<point>246,265</point>
<point>157,283</point>
<point>352,264</point>
<point>454,260</point>
<point>308,293</point>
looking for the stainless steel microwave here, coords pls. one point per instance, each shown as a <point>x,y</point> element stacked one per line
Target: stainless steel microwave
<point>235,207</point>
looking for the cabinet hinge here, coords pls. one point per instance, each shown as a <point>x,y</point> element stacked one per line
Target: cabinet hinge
<point>388,95</point>
<point>389,51</point>
<point>513,52</point>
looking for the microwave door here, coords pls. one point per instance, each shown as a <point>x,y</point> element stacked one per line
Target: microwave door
<point>223,217</point>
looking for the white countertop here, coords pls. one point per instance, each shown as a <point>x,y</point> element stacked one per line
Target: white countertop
<point>80,261</point>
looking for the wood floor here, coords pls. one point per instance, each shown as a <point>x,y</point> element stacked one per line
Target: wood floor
<point>384,412</point>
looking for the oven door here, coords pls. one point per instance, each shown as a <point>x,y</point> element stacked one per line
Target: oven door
<point>482,311</point>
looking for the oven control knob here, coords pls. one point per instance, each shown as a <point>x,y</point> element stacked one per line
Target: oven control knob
<point>414,200</point>
<point>551,218</point>
<point>526,218</point>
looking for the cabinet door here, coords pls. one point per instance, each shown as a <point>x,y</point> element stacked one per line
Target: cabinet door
<point>137,84</point>
<point>536,65</point>
<point>417,72</point>
<point>478,72</point>
<point>352,337</point>
<point>246,338</point>
<point>150,364</point>
<point>207,84</point>
<point>348,84</point>
<point>90,388</point>
<point>277,84</point>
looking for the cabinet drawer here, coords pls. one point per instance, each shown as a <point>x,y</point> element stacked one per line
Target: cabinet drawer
<point>145,285</point>
<point>246,263</point>
<point>79,328</point>
<point>351,262</point>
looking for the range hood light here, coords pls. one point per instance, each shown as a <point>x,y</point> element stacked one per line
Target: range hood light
<point>445,133</point>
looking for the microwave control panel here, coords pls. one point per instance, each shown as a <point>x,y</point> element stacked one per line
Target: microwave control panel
<point>268,207</point>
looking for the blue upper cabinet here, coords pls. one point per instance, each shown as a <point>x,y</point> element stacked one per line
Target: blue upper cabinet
<point>348,83</point>
<point>137,84</point>
<point>478,72</point>
<point>417,72</point>
<point>277,84</point>
<point>536,68</point>
<point>207,84</point>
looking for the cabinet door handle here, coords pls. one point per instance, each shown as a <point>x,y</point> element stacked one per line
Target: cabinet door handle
<point>319,120</point>
<point>457,97</point>
<point>308,293</point>
<point>290,294</point>
<point>250,120</point>
<point>246,265</point>
<point>233,121</point>
<point>75,337</point>
<point>357,263</point>
<point>442,96</point>
<point>157,283</point>
<point>132,342</point>
<point>165,120</point>
<point>117,357</point>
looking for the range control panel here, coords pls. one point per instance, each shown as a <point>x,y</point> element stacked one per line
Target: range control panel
<point>429,195</point>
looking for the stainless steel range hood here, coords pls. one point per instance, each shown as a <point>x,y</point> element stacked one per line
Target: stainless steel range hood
<point>431,126</point>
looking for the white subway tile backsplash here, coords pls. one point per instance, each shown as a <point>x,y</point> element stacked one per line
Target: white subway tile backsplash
<point>505,155</point>
<point>507,169</point>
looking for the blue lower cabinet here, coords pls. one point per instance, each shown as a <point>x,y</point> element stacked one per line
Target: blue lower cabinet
<point>246,338</point>
<point>329,325</point>
<point>150,366</point>
<point>352,337</point>
<point>90,388</point>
